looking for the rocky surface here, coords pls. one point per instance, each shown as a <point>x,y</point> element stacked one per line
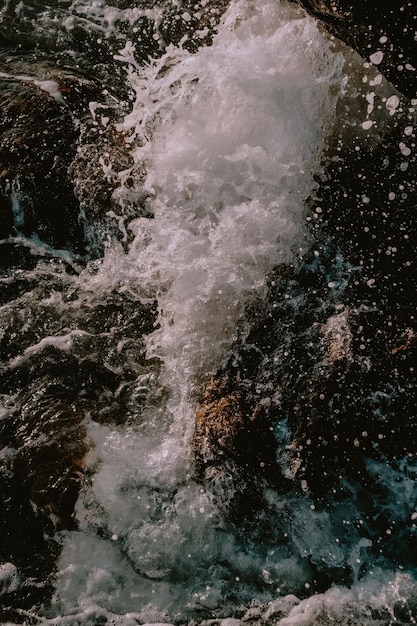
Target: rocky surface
<point>47,135</point>
<point>332,355</point>
<point>234,447</point>
<point>230,425</point>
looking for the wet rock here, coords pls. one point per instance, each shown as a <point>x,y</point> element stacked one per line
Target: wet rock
<point>353,395</point>
<point>332,359</point>
<point>100,166</point>
<point>367,408</point>
<point>37,137</point>
<point>234,447</point>
<point>232,426</point>
<point>383,33</point>
<point>337,337</point>
<point>43,443</point>
<point>46,189</point>
<point>9,578</point>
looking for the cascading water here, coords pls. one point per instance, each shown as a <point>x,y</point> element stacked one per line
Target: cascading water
<point>228,139</point>
<point>224,144</point>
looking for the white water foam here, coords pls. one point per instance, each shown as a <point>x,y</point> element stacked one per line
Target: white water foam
<point>226,142</point>
<point>380,598</point>
<point>229,140</point>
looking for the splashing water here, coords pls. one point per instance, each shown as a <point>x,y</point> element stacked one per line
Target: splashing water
<point>229,139</point>
<point>225,142</point>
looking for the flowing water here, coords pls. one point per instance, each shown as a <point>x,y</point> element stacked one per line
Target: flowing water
<point>225,141</point>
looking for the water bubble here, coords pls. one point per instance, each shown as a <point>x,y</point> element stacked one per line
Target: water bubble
<point>377,57</point>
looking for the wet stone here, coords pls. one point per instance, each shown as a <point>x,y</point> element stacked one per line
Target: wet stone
<point>34,176</point>
<point>234,447</point>
<point>226,425</point>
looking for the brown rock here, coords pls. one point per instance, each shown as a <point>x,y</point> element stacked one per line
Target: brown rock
<point>231,426</point>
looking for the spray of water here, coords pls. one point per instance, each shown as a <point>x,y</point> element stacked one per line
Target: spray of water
<point>225,143</point>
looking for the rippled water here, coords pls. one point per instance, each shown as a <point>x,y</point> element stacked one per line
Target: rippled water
<point>226,143</point>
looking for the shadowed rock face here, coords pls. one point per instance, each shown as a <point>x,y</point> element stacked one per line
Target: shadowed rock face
<point>383,32</point>
<point>334,349</point>
<point>343,377</point>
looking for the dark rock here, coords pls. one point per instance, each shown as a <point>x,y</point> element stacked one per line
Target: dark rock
<point>37,137</point>
<point>230,425</point>
<point>53,185</point>
<point>332,350</point>
<point>235,452</point>
<point>384,33</point>
<point>338,395</point>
